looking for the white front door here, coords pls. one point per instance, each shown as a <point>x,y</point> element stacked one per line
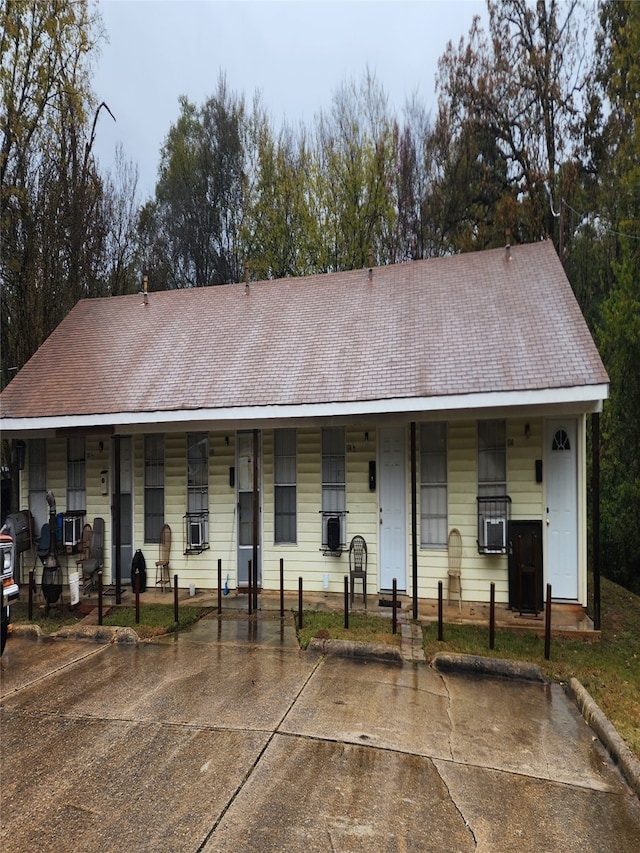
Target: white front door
<point>562,508</point>
<point>392,496</point>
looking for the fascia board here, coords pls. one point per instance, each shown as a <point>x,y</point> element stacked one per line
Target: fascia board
<point>586,398</point>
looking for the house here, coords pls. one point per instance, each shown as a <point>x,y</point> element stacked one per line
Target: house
<point>278,419</point>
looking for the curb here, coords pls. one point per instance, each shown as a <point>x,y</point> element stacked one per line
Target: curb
<point>351,649</point>
<point>618,750</point>
<point>451,662</point>
<point>98,633</point>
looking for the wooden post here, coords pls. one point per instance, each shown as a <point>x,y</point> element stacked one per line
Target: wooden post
<point>346,602</point>
<point>394,601</point>
<point>414,519</point>
<point>547,624</point>
<point>492,615</point>
<point>136,586</point>
<point>595,497</point>
<point>440,632</point>
<point>281,588</point>
<point>219,586</point>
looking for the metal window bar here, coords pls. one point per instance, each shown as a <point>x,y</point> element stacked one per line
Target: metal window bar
<point>494,513</point>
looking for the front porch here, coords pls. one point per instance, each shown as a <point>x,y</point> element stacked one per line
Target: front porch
<point>568,621</point>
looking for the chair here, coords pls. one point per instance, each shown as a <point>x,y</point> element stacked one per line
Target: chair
<point>85,545</point>
<point>162,564</point>
<point>454,546</point>
<point>92,564</point>
<point>358,565</point>
<point>527,569</point>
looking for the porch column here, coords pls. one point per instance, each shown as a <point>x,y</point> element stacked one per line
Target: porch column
<point>595,497</point>
<point>256,527</point>
<point>116,533</point>
<point>414,520</point>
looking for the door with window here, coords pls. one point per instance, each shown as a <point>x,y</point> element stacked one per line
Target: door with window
<point>392,497</point>
<point>562,509</point>
<point>248,468</point>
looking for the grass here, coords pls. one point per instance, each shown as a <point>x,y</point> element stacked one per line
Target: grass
<point>364,628</point>
<point>155,619</point>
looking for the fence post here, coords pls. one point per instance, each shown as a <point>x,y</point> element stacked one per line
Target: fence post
<point>30,595</point>
<point>346,602</point>
<point>547,624</point>
<point>492,616</point>
<point>136,586</point>
<point>250,587</point>
<point>176,618</point>
<point>299,603</point>
<point>281,588</point>
<point>394,601</point>
<point>99,598</point>
<point>440,633</point>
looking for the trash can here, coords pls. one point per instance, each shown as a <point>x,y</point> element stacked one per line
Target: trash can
<point>74,588</point>
<point>140,564</point>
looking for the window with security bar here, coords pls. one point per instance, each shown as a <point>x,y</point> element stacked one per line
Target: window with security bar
<point>333,490</point>
<point>494,504</point>
<point>196,533</point>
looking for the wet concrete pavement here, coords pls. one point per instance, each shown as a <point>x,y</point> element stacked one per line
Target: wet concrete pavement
<point>228,737</point>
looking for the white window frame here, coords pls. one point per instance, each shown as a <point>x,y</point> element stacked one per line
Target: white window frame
<point>76,474</point>
<point>153,485</point>
<point>334,474</point>
<point>285,491</point>
<point>433,485</point>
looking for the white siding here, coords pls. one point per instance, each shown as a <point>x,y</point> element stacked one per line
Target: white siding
<point>304,557</point>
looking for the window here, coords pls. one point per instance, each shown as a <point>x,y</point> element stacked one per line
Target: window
<point>76,486</point>
<point>197,515</point>
<point>433,485</point>
<point>492,458</point>
<point>333,488</point>
<point>494,505</point>
<point>38,481</point>
<point>153,487</point>
<point>284,475</point>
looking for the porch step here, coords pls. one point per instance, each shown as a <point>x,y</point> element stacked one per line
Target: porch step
<point>412,649</point>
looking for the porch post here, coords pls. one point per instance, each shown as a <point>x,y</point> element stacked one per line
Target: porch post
<point>414,520</point>
<point>595,497</point>
<point>254,562</point>
<point>116,514</point>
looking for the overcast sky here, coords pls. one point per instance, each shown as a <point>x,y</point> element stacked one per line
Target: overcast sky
<point>296,53</point>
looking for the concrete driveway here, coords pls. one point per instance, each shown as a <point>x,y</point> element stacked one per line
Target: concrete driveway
<point>228,738</point>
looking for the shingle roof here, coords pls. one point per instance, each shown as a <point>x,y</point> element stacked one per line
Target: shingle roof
<point>471,323</point>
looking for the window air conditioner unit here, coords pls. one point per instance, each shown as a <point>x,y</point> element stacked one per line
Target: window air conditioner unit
<point>196,534</point>
<point>72,530</point>
<point>495,535</point>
